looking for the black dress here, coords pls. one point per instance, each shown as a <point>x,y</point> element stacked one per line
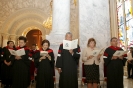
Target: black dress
<point>45,71</point>
<point>21,71</point>
<point>114,68</point>
<point>32,65</point>
<point>7,70</point>
<point>69,64</point>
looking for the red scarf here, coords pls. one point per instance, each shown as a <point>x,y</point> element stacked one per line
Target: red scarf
<point>9,47</point>
<point>115,48</point>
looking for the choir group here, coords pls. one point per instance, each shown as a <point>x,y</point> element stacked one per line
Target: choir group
<point>18,71</point>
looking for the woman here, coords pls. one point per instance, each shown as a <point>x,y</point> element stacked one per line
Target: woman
<point>91,64</point>
<point>7,66</point>
<point>21,71</point>
<point>45,66</point>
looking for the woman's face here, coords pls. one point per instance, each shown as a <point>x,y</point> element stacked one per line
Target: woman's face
<point>45,46</point>
<point>22,43</point>
<point>11,44</point>
<point>92,44</point>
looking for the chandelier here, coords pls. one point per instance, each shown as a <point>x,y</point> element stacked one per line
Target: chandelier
<point>48,23</point>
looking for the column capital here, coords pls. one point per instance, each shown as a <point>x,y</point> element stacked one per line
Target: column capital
<point>13,37</point>
<point>5,36</point>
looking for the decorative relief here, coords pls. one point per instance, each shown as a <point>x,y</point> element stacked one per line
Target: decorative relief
<point>23,21</point>
<point>74,26</point>
<point>10,7</point>
<point>5,36</point>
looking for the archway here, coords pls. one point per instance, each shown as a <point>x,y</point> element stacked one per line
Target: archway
<point>34,36</point>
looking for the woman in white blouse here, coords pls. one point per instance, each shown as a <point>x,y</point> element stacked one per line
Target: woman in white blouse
<point>91,64</point>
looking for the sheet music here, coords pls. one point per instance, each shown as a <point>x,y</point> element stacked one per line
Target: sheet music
<point>43,53</point>
<point>70,44</point>
<point>95,52</point>
<point>119,53</point>
<point>19,52</point>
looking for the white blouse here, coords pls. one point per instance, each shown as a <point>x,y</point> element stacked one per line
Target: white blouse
<point>86,53</point>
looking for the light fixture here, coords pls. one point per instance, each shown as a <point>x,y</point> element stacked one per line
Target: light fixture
<point>48,23</point>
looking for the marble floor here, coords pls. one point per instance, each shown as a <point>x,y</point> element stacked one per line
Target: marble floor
<point>128,83</point>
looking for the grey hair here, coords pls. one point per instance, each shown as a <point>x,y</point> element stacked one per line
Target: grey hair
<point>69,33</point>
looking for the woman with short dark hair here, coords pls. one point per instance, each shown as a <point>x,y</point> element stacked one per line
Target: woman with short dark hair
<point>45,66</point>
<point>7,65</point>
<point>21,66</point>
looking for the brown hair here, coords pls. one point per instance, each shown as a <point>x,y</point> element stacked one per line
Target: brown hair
<point>45,41</point>
<point>8,42</point>
<point>112,39</point>
<point>90,40</point>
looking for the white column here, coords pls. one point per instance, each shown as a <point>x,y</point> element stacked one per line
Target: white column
<point>61,20</point>
<point>61,16</point>
<point>5,39</point>
<point>60,25</point>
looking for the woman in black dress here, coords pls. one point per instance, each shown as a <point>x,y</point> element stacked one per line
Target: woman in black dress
<point>7,65</point>
<point>21,67</point>
<point>45,66</point>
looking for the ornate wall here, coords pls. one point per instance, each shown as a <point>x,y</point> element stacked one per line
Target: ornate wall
<point>17,16</point>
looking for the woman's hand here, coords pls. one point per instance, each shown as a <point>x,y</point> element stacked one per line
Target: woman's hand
<point>7,63</point>
<point>114,57</point>
<point>18,57</point>
<point>121,57</point>
<point>59,70</point>
<point>90,57</point>
<point>129,61</point>
<point>44,57</point>
<point>71,51</point>
<point>49,57</point>
<point>99,56</point>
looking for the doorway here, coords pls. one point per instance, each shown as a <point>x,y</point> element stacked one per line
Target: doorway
<point>34,37</point>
